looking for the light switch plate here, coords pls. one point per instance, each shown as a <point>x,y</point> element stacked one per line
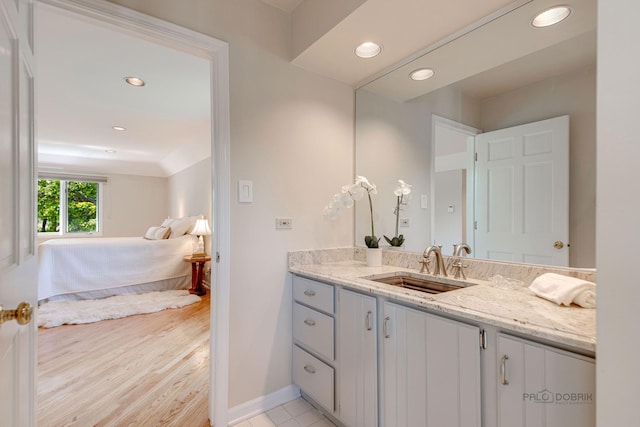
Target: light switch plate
<point>424,201</point>
<point>245,191</point>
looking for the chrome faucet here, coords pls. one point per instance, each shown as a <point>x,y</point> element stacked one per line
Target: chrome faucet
<point>456,263</point>
<point>439,267</point>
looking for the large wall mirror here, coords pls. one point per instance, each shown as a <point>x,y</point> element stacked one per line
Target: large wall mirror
<point>503,74</point>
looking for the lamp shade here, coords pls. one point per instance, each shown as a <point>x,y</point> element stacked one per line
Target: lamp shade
<point>201,228</point>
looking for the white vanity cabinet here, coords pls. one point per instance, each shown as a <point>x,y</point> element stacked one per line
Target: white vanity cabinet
<point>313,339</point>
<point>357,355</point>
<point>543,386</point>
<point>430,370</point>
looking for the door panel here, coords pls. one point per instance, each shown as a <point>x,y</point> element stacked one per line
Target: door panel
<point>522,193</point>
<point>18,263</point>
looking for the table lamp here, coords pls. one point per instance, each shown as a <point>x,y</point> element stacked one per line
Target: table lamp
<point>201,229</point>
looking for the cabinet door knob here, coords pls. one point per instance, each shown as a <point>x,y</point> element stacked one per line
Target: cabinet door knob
<point>368,320</point>
<point>309,293</point>
<point>503,370</point>
<point>310,322</point>
<point>310,369</point>
<point>558,244</point>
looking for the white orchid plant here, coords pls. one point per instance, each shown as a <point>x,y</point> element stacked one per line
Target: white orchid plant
<point>401,192</point>
<point>347,198</point>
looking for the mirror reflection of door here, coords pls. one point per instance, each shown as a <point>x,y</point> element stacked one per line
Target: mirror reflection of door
<point>512,203</point>
<point>522,193</point>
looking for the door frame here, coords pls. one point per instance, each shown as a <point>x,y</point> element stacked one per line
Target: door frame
<point>471,133</point>
<point>216,51</point>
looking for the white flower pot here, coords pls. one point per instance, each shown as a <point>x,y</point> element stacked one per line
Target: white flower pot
<point>374,257</point>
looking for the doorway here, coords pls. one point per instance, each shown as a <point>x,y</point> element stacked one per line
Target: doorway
<point>216,53</point>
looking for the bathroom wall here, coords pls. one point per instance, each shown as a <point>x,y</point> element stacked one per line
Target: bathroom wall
<point>618,151</point>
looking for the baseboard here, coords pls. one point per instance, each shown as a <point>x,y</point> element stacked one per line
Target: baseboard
<point>262,404</point>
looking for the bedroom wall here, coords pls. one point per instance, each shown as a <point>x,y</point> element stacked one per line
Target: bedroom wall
<point>189,193</point>
<point>130,204</point>
<point>292,135</point>
<point>133,203</point>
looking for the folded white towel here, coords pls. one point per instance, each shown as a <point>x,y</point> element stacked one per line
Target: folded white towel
<point>564,290</point>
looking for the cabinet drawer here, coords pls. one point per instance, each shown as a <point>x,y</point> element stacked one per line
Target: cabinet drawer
<point>314,294</point>
<point>314,330</point>
<point>314,377</point>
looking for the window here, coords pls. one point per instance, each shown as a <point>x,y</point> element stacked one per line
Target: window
<point>68,206</point>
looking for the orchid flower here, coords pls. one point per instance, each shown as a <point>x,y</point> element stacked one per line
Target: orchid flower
<point>403,189</point>
<point>347,197</point>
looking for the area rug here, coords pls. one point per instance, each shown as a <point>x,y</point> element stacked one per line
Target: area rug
<point>56,313</point>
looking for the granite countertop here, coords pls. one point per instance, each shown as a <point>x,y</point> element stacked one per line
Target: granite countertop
<point>514,309</point>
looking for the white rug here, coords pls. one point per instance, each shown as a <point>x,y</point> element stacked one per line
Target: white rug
<point>56,313</point>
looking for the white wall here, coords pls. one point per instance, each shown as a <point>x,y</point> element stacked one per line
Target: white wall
<point>189,194</point>
<point>618,151</point>
<point>573,94</point>
<point>292,135</point>
<point>132,204</point>
<point>189,191</point>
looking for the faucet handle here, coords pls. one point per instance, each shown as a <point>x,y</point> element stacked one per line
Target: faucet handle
<point>425,265</point>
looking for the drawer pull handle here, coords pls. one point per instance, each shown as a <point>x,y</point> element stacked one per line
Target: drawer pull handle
<point>309,293</point>
<point>310,369</point>
<point>385,327</point>
<point>309,322</point>
<point>368,320</point>
<point>503,370</point>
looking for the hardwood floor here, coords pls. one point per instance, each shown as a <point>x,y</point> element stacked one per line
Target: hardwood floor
<point>145,370</point>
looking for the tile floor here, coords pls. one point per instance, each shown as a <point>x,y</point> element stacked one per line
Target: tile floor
<point>297,413</point>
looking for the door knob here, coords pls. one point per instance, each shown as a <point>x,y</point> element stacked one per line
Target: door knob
<point>558,244</point>
<point>22,314</point>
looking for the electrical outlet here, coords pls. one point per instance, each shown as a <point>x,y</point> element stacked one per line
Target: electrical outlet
<point>284,223</point>
<point>404,222</point>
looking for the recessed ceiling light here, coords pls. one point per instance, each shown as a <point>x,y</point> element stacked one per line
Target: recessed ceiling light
<point>551,16</point>
<point>118,128</point>
<point>134,81</point>
<point>110,151</point>
<point>368,50</point>
<point>422,74</point>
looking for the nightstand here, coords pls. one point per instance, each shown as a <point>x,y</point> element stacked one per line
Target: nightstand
<point>197,271</point>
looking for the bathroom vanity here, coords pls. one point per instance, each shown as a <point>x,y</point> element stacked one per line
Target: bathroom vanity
<point>370,353</point>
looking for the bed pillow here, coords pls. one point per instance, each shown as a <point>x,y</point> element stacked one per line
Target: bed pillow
<point>179,227</point>
<point>167,222</point>
<point>157,233</point>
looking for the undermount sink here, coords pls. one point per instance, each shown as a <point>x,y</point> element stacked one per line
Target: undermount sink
<point>417,283</point>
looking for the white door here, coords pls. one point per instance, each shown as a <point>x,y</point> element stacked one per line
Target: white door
<point>18,263</point>
<point>522,193</point>
<point>543,386</point>
<point>430,370</point>
<point>357,360</point>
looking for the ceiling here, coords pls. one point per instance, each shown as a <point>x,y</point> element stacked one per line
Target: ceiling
<point>82,63</point>
<point>81,94</point>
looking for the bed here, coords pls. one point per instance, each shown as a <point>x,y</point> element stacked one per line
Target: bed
<point>88,268</point>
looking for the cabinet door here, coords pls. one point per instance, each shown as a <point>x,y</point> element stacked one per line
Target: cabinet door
<point>430,369</point>
<point>543,386</point>
<point>357,360</point>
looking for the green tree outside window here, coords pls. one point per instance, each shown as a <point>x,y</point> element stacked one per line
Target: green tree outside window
<point>81,203</point>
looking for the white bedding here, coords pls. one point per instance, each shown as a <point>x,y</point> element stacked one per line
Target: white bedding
<point>69,266</point>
